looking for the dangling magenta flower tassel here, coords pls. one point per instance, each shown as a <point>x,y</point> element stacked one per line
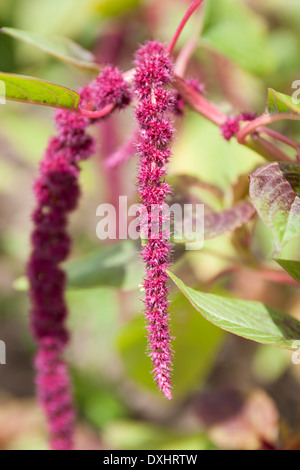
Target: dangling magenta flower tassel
<point>57,193</point>
<point>154,70</point>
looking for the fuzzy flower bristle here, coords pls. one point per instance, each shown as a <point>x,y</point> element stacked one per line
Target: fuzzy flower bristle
<point>232,124</point>
<point>154,70</point>
<point>54,393</point>
<point>108,88</point>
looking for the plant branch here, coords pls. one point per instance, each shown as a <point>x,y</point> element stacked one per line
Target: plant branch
<point>185,55</point>
<point>98,114</point>
<point>198,103</point>
<point>282,138</point>
<point>264,274</point>
<point>262,146</point>
<point>183,22</point>
<point>263,120</point>
<point>267,149</point>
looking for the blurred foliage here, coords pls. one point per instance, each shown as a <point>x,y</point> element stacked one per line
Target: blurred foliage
<point>111,8</point>
<point>240,34</point>
<point>245,47</point>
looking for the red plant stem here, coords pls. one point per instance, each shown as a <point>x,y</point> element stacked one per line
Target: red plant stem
<point>267,149</point>
<point>198,103</point>
<point>265,274</point>
<point>205,108</point>
<point>184,56</point>
<point>282,138</point>
<point>276,276</point>
<point>263,120</point>
<point>112,177</point>
<point>182,24</point>
<point>124,152</point>
<point>97,114</point>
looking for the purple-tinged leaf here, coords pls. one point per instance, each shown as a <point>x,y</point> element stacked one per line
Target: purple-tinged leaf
<point>292,267</point>
<point>274,190</point>
<point>251,320</point>
<point>183,183</point>
<point>217,223</point>
<point>35,91</point>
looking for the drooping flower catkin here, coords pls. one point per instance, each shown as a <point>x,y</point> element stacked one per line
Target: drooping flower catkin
<point>57,192</point>
<point>154,70</point>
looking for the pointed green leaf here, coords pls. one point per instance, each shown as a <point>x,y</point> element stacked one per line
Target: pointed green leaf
<point>60,47</point>
<point>280,103</point>
<point>251,320</point>
<point>275,193</point>
<point>292,267</point>
<point>35,91</point>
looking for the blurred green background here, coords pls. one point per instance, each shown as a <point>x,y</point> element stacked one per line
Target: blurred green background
<point>228,392</point>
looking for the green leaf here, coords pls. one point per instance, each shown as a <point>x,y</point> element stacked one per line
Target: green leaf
<point>280,103</point>
<point>35,91</point>
<point>60,47</point>
<point>194,358</point>
<point>114,266</point>
<point>274,190</point>
<point>251,320</point>
<point>235,30</point>
<point>292,267</point>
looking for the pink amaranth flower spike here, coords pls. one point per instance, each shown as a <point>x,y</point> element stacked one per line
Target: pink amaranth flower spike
<point>154,70</point>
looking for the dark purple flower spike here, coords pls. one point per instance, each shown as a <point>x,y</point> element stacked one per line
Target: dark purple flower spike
<point>57,193</point>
